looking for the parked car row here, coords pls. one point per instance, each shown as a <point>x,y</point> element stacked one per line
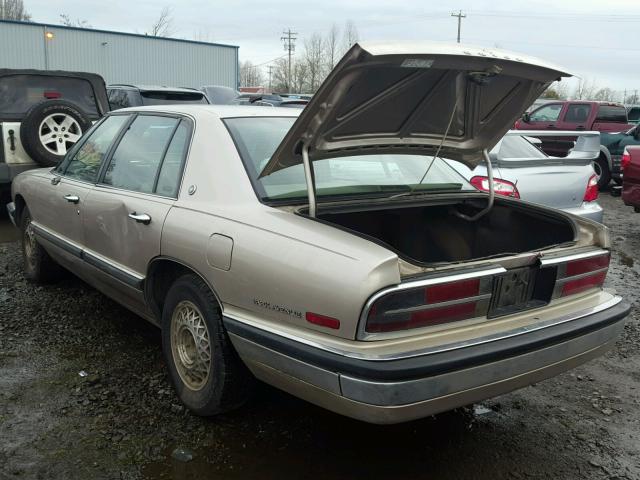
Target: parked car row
<point>330,251</point>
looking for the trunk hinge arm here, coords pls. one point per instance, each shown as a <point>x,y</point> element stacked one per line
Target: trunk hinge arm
<point>485,210</point>
<point>310,178</point>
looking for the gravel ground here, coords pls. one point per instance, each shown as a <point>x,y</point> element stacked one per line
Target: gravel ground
<point>122,419</point>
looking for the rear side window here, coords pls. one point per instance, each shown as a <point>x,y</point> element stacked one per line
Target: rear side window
<point>138,157</point>
<point>169,178</point>
<point>118,99</point>
<point>86,162</point>
<point>18,93</point>
<point>168,98</point>
<point>634,114</point>
<point>611,113</point>
<point>577,113</point>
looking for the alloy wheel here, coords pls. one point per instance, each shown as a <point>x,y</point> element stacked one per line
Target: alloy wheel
<point>58,132</point>
<point>30,246</point>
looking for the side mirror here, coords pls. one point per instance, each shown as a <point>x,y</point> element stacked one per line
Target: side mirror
<point>636,133</point>
<point>526,118</point>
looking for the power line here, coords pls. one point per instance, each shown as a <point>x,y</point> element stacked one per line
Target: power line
<point>460,16</point>
<point>289,40</point>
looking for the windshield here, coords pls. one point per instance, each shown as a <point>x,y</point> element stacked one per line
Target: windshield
<point>169,98</point>
<point>365,175</point>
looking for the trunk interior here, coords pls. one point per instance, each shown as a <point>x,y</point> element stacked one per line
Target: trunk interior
<point>434,233</point>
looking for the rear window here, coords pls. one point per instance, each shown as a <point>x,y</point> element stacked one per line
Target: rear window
<point>18,93</point>
<point>517,147</point>
<point>168,98</point>
<point>360,175</point>
<point>612,113</point>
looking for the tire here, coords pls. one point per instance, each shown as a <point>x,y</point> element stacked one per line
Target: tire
<point>62,123</point>
<point>227,383</point>
<point>38,266</point>
<point>601,167</point>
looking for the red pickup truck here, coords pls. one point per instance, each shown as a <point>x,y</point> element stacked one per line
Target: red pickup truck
<point>601,117</point>
<point>631,177</point>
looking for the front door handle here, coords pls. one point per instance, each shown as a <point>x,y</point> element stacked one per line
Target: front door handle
<point>140,217</point>
<point>580,127</point>
<point>72,198</point>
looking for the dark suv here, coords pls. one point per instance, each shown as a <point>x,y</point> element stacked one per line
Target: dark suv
<point>43,113</point>
<point>123,96</point>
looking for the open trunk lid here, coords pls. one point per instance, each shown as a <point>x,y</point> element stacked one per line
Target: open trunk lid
<point>402,98</point>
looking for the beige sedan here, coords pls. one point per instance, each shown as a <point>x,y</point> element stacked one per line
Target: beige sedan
<point>331,252</point>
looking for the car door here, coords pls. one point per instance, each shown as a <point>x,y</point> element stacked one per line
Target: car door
<point>58,212</point>
<point>125,212</point>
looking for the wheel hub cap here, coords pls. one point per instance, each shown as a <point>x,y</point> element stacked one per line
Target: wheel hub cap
<point>58,132</point>
<point>190,345</point>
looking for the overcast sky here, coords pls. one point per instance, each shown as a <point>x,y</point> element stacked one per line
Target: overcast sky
<point>597,39</point>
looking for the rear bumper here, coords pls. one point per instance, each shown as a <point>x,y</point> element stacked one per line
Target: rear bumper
<point>631,194</point>
<point>590,210</point>
<point>402,389</point>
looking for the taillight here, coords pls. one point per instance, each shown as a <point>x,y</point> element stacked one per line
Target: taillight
<point>626,159</point>
<point>51,95</point>
<point>578,276</point>
<point>501,187</point>
<point>430,305</point>
<point>591,193</point>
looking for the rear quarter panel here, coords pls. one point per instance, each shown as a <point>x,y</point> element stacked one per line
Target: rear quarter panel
<point>631,183</point>
<point>281,264</point>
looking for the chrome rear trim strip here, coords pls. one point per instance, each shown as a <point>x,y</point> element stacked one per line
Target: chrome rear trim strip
<point>568,258</point>
<point>438,349</point>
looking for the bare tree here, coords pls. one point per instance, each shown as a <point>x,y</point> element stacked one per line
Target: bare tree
<point>299,76</point>
<point>585,90</point>
<point>163,26</point>
<point>331,47</point>
<point>250,75</point>
<point>313,59</point>
<point>605,94</point>
<point>279,75</point>
<point>13,10</point>
<point>556,91</point>
<point>66,20</point>
<point>350,35</point>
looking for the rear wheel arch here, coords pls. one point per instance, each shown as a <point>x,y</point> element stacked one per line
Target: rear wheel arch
<point>161,274</point>
<point>20,205</point>
<point>604,152</point>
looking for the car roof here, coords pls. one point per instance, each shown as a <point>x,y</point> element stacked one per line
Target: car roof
<point>154,88</point>
<point>219,111</point>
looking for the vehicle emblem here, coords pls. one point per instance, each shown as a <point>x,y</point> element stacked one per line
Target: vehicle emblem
<point>192,189</point>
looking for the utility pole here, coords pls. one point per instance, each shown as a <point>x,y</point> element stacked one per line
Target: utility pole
<point>289,40</point>
<point>460,16</point>
<point>270,67</point>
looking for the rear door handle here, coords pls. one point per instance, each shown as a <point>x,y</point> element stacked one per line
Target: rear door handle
<point>580,127</point>
<point>140,217</point>
<point>551,127</point>
<point>72,198</point>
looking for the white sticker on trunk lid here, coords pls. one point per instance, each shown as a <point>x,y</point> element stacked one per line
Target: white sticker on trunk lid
<point>417,63</point>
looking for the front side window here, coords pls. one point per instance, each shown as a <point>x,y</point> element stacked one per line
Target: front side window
<point>138,156</point>
<point>18,93</point>
<point>548,113</point>
<point>361,175</point>
<point>87,159</point>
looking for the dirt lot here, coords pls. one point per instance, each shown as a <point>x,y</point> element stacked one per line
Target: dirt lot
<point>122,420</point>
